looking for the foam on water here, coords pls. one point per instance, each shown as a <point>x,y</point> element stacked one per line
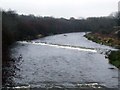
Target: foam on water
<point>57,85</point>
<point>60,46</point>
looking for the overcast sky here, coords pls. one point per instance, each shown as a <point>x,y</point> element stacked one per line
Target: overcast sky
<point>62,8</point>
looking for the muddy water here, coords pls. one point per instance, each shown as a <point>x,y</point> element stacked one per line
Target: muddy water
<point>63,60</point>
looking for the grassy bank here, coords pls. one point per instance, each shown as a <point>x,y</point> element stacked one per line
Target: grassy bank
<point>108,40</point>
<point>114,56</point>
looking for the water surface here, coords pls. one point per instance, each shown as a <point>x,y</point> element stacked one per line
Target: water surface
<point>65,59</point>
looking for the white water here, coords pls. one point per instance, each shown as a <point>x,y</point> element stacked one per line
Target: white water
<point>60,46</point>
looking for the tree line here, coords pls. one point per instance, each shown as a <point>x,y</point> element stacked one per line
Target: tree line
<point>21,27</point>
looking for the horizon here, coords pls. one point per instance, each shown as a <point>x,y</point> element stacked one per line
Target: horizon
<point>62,9</point>
<point>80,18</point>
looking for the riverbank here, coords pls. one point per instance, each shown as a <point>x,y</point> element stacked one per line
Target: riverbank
<point>114,56</point>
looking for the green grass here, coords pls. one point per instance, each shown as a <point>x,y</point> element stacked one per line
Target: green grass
<point>114,58</point>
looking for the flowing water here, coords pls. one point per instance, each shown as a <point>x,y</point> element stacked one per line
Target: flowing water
<point>64,60</point>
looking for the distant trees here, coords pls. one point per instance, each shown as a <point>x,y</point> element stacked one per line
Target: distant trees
<point>118,18</point>
<point>102,24</point>
<point>118,34</point>
<point>118,21</point>
<point>21,27</point>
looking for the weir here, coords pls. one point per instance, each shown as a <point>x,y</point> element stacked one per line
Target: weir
<point>61,46</point>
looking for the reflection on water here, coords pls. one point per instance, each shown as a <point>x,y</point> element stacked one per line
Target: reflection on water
<point>59,60</point>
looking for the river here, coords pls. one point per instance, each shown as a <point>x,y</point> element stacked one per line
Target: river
<point>62,60</point>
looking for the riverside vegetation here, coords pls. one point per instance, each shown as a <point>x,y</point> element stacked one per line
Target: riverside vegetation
<point>110,40</point>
